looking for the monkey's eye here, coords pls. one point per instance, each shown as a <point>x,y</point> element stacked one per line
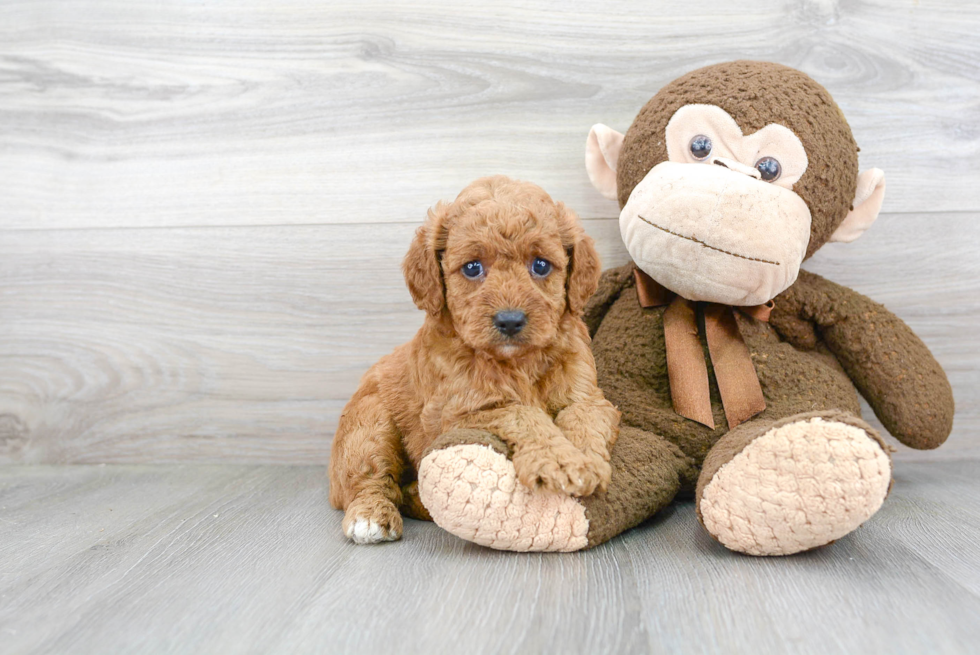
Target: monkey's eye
<point>769,168</point>
<point>540,267</point>
<point>473,269</point>
<point>700,146</point>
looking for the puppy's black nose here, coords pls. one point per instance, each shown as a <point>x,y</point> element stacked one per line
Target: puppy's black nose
<point>510,322</point>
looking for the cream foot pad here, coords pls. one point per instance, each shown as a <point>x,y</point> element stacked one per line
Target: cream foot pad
<point>796,487</point>
<point>472,491</point>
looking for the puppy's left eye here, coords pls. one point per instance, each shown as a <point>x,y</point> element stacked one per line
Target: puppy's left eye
<point>540,267</point>
<point>473,269</point>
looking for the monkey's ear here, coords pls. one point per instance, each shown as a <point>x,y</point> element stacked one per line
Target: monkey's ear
<point>601,156</point>
<point>423,273</point>
<point>867,203</point>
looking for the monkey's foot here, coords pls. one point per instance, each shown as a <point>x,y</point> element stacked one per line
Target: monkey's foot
<point>469,486</point>
<point>793,485</point>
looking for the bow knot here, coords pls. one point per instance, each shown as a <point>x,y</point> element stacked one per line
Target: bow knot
<point>738,382</point>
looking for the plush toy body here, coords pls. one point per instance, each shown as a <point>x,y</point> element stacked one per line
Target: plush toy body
<point>736,373</point>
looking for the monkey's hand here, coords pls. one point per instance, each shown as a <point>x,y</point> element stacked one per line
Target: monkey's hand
<point>891,367</point>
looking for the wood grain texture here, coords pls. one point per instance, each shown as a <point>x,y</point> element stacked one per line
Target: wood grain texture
<point>250,559</point>
<point>243,344</point>
<point>121,113</point>
<point>204,206</point>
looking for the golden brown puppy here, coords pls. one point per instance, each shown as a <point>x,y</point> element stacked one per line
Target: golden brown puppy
<point>503,273</point>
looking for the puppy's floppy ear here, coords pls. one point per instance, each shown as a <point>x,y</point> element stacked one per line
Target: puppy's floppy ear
<point>423,273</point>
<point>584,267</point>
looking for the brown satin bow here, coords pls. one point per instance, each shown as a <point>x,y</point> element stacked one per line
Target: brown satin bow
<point>738,382</point>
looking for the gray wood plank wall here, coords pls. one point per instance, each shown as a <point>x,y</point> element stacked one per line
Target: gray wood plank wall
<point>203,207</point>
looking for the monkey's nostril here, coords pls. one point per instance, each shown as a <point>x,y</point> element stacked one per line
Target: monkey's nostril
<point>721,163</point>
<point>510,322</point>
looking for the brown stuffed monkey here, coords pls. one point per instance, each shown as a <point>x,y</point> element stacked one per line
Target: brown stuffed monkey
<point>736,372</point>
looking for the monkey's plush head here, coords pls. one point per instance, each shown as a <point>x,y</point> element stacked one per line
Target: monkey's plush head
<point>730,177</point>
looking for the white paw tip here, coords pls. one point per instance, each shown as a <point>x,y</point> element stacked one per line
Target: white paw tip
<point>367,531</point>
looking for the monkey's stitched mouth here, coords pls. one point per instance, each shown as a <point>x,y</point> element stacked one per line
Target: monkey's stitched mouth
<point>702,243</point>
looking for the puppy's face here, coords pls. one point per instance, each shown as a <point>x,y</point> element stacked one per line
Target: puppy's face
<point>510,262</point>
<point>504,269</point>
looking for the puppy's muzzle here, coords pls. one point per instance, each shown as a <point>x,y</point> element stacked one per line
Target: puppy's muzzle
<point>509,322</point>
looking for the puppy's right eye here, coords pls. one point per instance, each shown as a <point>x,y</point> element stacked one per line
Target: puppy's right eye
<point>540,267</point>
<point>473,269</point>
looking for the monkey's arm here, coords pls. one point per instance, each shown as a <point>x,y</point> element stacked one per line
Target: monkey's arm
<point>891,367</point>
<point>611,284</point>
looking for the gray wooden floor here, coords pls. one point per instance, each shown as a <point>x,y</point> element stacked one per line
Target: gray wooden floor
<point>229,559</point>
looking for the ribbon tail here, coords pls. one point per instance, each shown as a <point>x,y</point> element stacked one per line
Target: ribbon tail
<point>650,292</point>
<point>738,382</point>
<point>686,369</point>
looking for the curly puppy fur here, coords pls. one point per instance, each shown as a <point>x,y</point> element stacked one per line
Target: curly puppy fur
<point>536,390</point>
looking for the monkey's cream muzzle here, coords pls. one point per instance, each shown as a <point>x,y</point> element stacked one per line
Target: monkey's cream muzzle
<point>713,234</point>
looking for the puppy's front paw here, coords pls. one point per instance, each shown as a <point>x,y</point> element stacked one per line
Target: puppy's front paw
<point>563,469</point>
<point>372,521</point>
